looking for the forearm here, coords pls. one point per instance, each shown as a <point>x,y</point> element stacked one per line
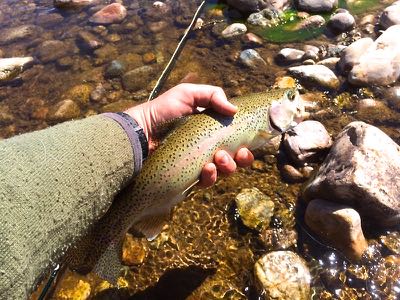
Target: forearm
<point>54,184</point>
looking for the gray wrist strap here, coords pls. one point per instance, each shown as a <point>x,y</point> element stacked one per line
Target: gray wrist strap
<point>133,138</point>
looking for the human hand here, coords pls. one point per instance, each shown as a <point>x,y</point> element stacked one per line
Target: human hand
<point>182,100</point>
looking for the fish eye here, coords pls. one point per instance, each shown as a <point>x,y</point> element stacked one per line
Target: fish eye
<point>291,95</point>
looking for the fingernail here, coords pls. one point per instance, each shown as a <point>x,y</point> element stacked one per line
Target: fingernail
<point>225,159</point>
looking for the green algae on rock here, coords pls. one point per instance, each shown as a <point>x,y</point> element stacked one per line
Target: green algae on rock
<point>255,208</point>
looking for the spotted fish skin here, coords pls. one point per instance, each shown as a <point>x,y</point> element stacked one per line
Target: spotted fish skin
<point>176,165</point>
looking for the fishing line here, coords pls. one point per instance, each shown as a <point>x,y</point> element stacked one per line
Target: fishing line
<point>171,63</point>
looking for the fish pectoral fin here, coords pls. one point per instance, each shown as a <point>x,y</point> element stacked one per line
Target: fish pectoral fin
<point>109,265</point>
<point>151,226</point>
<point>261,139</point>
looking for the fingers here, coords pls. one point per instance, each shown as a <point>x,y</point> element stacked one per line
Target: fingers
<point>244,158</point>
<point>209,96</point>
<point>208,175</point>
<point>224,162</point>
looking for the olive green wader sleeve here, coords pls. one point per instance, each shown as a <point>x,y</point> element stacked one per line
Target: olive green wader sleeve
<point>54,184</point>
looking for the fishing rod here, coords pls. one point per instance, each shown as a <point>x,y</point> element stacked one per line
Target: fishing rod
<point>154,93</point>
<point>171,63</point>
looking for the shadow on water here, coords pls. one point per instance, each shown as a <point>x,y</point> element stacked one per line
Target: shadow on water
<point>175,284</point>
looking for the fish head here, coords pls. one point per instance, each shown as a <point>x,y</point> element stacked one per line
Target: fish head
<point>285,112</point>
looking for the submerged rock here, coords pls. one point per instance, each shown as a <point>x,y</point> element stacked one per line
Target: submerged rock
<point>88,41</point>
<point>390,16</point>
<point>362,170</point>
<point>14,34</point>
<point>137,79</point>
<point>278,238</point>
<point>233,30</point>
<point>252,39</point>
<point>283,275</point>
<point>251,58</point>
<point>51,50</point>
<point>316,6</point>
<point>113,13</point>
<point>338,225</point>
<point>250,6</point>
<point>255,208</point>
<point>80,93</point>
<point>315,74</point>
<point>115,69</point>
<point>63,111</point>
<point>12,67</point>
<point>134,250</point>
<point>72,3</point>
<point>307,141</point>
<point>380,62</point>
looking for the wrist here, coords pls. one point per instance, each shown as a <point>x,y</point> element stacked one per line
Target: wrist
<point>137,113</point>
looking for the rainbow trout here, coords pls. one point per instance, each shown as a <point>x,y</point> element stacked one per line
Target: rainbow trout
<point>170,172</point>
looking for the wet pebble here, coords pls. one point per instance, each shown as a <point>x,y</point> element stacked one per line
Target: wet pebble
<point>264,18</point>
<point>278,238</point>
<point>316,6</point>
<point>49,20</point>
<point>291,174</point>
<point>330,62</point>
<point>79,93</point>
<point>392,96</point>
<point>285,82</point>
<point>63,111</point>
<point>105,53</point>
<point>6,117</point>
<point>251,59</point>
<point>233,30</point>
<point>10,68</point>
<point>98,94</point>
<point>390,16</point>
<point>361,170</point>
<point>88,41</point>
<point>307,142</point>
<point>149,58</point>
<point>338,225</point>
<point>134,250</point>
<point>312,22</point>
<point>251,39</point>
<point>112,13</point>
<point>255,208</point>
<point>65,62</point>
<point>283,275</point>
<point>157,27</point>
<point>315,74</point>
<point>342,22</point>
<point>289,55</point>
<point>250,6</point>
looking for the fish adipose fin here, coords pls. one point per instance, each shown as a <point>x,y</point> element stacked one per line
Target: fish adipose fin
<point>109,266</point>
<point>151,226</point>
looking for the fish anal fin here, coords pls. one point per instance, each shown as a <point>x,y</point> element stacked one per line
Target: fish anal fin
<point>151,226</point>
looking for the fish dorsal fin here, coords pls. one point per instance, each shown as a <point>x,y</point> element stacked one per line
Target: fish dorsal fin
<point>109,265</point>
<point>151,226</point>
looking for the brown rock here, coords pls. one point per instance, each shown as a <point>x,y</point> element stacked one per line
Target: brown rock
<point>291,174</point>
<point>64,110</point>
<point>113,13</point>
<point>362,170</point>
<point>88,40</point>
<point>149,58</point>
<point>51,50</point>
<point>134,250</point>
<point>338,225</point>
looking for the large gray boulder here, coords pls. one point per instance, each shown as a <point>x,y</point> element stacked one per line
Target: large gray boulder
<point>362,170</point>
<point>316,6</point>
<point>250,6</point>
<point>380,63</point>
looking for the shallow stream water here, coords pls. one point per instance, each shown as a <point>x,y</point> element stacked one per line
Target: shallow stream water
<point>206,252</point>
